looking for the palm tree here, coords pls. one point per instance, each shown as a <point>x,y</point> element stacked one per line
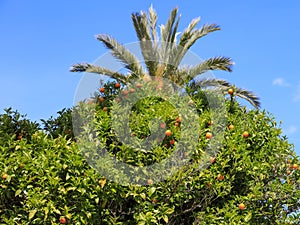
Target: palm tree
<point>163,55</point>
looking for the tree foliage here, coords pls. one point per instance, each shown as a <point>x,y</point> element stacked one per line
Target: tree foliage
<point>48,178</point>
<point>253,177</point>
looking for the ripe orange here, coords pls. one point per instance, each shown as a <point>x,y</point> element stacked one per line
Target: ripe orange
<point>101,99</point>
<point>102,89</point>
<point>138,85</point>
<point>208,135</point>
<point>191,103</point>
<point>168,133</point>
<point>178,119</point>
<point>149,182</point>
<point>242,206</point>
<point>230,91</point>
<point>295,166</point>
<point>20,136</point>
<point>177,124</point>
<point>154,200</point>
<point>131,90</point>
<point>117,85</point>
<point>163,125</point>
<point>230,127</point>
<point>104,109</point>
<point>172,142</point>
<point>62,220</point>
<point>4,176</point>
<point>125,92</point>
<point>245,134</point>
<point>212,160</point>
<point>220,177</point>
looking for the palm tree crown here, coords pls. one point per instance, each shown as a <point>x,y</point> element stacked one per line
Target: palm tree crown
<point>163,54</point>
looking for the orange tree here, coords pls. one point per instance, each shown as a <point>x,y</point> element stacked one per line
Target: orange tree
<point>251,177</point>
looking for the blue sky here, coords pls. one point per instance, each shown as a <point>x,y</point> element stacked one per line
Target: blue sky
<point>40,40</point>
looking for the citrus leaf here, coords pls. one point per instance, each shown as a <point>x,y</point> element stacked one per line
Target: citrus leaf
<point>165,218</point>
<point>18,192</point>
<point>32,213</point>
<point>102,182</point>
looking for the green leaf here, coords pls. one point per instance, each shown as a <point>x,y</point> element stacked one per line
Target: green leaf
<point>57,211</point>
<point>104,203</point>
<point>143,196</point>
<point>67,176</point>
<point>89,215</point>
<point>32,213</point>
<point>71,188</point>
<point>46,209</point>
<point>165,218</point>
<point>169,211</point>
<point>248,217</point>
<point>151,191</point>
<point>18,192</point>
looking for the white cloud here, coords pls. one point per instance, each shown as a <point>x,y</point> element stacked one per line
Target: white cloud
<point>280,82</point>
<point>291,130</point>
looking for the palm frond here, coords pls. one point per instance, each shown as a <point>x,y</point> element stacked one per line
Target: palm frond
<point>192,36</point>
<point>89,68</point>
<point>176,78</point>
<point>215,63</point>
<point>187,32</point>
<point>248,96</point>
<point>189,37</point>
<point>168,30</point>
<point>141,26</point>
<point>149,50</point>
<point>174,31</point>
<point>153,23</point>
<point>169,34</point>
<point>171,51</point>
<point>225,85</point>
<point>121,53</point>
